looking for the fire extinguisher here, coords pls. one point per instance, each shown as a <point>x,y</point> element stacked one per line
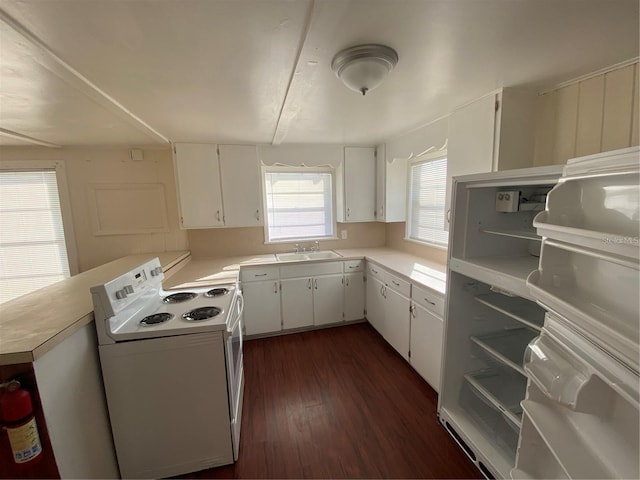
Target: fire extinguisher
<point>16,412</point>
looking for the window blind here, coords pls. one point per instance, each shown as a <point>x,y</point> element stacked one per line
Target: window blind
<point>33,252</point>
<point>428,183</point>
<point>299,205</point>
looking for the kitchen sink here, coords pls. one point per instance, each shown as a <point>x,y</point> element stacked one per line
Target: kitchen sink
<point>316,255</point>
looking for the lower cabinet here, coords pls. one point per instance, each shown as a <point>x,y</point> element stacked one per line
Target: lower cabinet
<point>375,303</point>
<point>261,307</point>
<point>261,291</point>
<point>397,321</point>
<point>311,301</point>
<point>297,302</point>
<point>354,296</point>
<point>426,344</point>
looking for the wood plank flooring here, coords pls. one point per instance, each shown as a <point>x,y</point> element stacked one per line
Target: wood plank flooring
<point>338,403</point>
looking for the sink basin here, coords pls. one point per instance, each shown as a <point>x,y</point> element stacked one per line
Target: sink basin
<point>321,255</point>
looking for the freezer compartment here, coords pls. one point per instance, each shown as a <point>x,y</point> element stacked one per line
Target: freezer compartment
<point>596,207</point>
<point>534,459</point>
<point>496,427</point>
<point>598,294</point>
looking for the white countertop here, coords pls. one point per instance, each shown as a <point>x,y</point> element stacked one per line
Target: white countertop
<point>214,271</point>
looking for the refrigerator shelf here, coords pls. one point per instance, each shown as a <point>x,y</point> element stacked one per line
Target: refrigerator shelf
<point>502,390</point>
<point>522,234</point>
<point>600,455</point>
<point>508,273</point>
<point>507,347</point>
<point>520,309</point>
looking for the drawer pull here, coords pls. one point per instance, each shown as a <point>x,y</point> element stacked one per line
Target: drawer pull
<point>260,275</point>
<point>395,283</point>
<point>374,271</point>
<point>352,266</point>
<point>430,302</point>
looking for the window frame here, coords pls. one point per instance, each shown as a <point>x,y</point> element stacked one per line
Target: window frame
<point>290,169</point>
<point>63,194</point>
<point>425,158</point>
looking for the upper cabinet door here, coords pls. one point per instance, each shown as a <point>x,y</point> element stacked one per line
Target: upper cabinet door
<point>359,185</point>
<point>471,141</point>
<point>198,181</point>
<point>241,192</point>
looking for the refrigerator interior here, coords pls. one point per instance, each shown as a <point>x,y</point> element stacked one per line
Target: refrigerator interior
<point>490,314</point>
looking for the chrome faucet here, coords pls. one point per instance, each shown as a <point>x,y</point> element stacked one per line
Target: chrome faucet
<point>297,250</point>
<point>316,246</point>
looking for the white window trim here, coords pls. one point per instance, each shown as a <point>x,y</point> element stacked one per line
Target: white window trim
<point>65,202</point>
<point>425,157</point>
<point>287,168</point>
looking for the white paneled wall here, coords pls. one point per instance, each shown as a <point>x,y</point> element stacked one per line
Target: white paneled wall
<point>592,115</point>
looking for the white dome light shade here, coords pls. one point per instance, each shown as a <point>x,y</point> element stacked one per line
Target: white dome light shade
<point>363,67</point>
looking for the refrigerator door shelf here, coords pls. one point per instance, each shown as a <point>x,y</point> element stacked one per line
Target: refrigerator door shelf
<point>595,292</point>
<point>596,436</point>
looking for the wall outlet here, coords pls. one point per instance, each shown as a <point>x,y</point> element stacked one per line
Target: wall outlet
<point>343,234</point>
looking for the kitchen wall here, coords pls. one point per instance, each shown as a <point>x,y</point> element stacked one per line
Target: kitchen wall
<point>592,114</point>
<point>119,206</point>
<point>231,242</point>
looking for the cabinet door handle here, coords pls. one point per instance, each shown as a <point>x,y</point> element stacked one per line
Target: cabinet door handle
<point>347,281</point>
<point>412,310</point>
<point>258,215</point>
<point>348,212</point>
<point>315,284</point>
<point>218,215</point>
<point>275,287</point>
<point>429,302</point>
<point>449,216</point>
<point>309,284</point>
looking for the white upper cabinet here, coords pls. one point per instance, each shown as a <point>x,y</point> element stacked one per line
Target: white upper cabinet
<point>391,187</point>
<point>241,192</point>
<point>198,180</point>
<point>356,182</point>
<point>495,132</point>
<point>218,186</point>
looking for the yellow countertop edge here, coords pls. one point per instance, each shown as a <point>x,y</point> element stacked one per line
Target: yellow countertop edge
<point>170,265</point>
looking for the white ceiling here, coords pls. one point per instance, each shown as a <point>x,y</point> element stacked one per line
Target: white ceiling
<point>144,72</point>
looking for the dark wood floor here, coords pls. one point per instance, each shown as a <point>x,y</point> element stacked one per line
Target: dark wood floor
<point>338,403</point>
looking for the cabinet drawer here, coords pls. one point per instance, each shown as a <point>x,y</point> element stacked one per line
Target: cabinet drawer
<point>255,274</point>
<point>310,269</point>
<point>374,271</point>
<point>401,286</point>
<point>429,300</point>
<point>351,266</point>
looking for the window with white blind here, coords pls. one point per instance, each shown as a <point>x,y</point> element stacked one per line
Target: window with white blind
<point>298,204</point>
<point>427,189</point>
<point>33,252</point>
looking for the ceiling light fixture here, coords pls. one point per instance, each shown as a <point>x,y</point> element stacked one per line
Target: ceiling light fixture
<point>363,67</point>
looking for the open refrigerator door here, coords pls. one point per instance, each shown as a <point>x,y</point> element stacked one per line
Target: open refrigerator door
<point>580,415</point>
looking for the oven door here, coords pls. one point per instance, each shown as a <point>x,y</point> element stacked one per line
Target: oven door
<point>235,368</point>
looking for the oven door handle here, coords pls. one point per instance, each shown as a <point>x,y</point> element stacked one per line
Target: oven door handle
<point>235,319</point>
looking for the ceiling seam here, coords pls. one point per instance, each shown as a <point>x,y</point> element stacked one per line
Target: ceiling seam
<point>19,136</point>
<point>97,93</point>
<point>278,134</point>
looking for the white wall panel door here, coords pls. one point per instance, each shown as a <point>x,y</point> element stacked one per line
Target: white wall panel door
<point>241,185</point>
<point>198,179</point>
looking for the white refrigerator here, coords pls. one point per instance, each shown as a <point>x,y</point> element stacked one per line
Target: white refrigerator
<point>580,414</point>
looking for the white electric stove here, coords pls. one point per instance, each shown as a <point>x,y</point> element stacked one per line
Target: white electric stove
<point>172,366</point>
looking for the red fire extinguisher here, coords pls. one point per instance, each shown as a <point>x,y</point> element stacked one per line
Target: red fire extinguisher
<point>16,412</point>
